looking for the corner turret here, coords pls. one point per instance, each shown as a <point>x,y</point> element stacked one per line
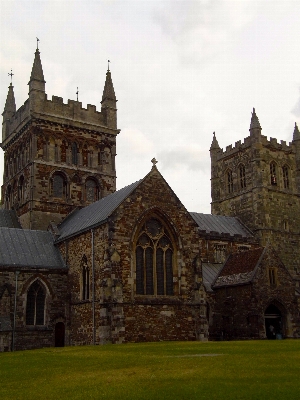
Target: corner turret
<point>109,102</point>
<point>9,111</point>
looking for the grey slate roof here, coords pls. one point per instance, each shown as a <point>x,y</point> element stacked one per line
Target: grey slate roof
<point>86,218</point>
<point>209,273</point>
<point>9,219</point>
<point>26,248</point>
<point>221,224</point>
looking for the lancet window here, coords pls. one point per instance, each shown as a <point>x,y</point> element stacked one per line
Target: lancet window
<point>85,279</point>
<point>35,306</point>
<point>242,175</point>
<point>273,174</point>
<point>229,178</point>
<point>286,180</point>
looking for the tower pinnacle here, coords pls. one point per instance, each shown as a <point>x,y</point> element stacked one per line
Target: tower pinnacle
<point>254,121</point>
<point>108,92</point>
<point>214,144</point>
<point>296,134</point>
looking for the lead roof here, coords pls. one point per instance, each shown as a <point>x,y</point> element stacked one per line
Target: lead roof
<point>220,224</point>
<point>25,248</point>
<point>96,213</point>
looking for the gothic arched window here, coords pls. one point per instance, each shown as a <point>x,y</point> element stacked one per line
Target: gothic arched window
<point>229,181</point>
<point>85,279</point>
<point>59,185</point>
<point>74,153</point>
<point>242,176</point>
<point>91,189</point>
<point>285,173</point>
<point>154,255</point>
<point>8,196</point>
<point>273,174</point>
<point>85,156</point>
<point>35,306</point>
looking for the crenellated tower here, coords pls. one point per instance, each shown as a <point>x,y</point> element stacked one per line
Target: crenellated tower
<point>259,182</point>
<point>57,156</point>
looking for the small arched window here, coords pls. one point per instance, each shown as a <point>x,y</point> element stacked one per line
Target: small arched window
<point>286,180</point>
<point>63,151</point>
<point>8,196</point>
<point>35,306</point>
<point>85,156</point>
<point>21,189</point>
<point>91,189</point>
<point>229,179</point>
<point>85,279</point>
<point>273,173</point>
<point>242,176</point>
<point>74,153</point>
<point>59,186</point>
<point>154,256</point>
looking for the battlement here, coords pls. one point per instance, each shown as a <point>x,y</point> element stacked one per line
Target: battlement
<point>251,140</point>
<point>73,110</point>
<point>56,109</point>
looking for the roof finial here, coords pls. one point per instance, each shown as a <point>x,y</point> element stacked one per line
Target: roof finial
<point>108,61</point>
<point>37,43</point>
<point>154,162</point>
<point>11,75</point>
<point>77,93</point>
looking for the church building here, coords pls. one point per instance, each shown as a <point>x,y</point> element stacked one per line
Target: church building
<point>84,263</point>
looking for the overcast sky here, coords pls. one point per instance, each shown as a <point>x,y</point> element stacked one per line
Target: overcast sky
<point>181,70</point>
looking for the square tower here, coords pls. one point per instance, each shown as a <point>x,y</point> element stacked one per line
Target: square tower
<point>258,181</point>
<point>57,156</point>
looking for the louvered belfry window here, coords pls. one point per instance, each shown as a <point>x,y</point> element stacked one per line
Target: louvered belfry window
<point>154,260</point>
<point>35,307</point>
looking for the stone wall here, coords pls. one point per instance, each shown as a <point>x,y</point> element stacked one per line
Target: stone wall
<point>56,306</point>
<point>237,312</point>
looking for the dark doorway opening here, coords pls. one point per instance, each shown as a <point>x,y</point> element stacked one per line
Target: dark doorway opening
<point>273,323</point>
<point>59,334</point>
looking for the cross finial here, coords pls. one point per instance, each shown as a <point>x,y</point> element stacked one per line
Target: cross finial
<point>77,93</point>
<point>11,75</point>
<point>108,65</point>
<point>154,162</point>
<point>37,43</point>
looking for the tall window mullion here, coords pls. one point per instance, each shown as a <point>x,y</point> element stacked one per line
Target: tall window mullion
<point>139,270</point>
<point>149,270</point>
<point>169,271</point>
<point>160,273</point>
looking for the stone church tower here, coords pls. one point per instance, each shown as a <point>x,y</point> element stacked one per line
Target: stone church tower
<point>57,156</point>
<point>259,182</point>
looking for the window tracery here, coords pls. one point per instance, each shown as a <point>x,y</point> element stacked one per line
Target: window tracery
<point>154,255</point>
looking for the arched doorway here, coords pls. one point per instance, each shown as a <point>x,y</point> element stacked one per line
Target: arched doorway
<point>59,334</point>
<point>273,322</point>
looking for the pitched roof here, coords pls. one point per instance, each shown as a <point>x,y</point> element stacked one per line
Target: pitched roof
<point>239,268</point>
<point>9,219</point>
<point>221,225</point>
<point>209,274</point>
<point>88,217</point>
<point>28,249</point>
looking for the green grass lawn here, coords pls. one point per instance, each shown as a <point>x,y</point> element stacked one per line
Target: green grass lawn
<point>168,370</point>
